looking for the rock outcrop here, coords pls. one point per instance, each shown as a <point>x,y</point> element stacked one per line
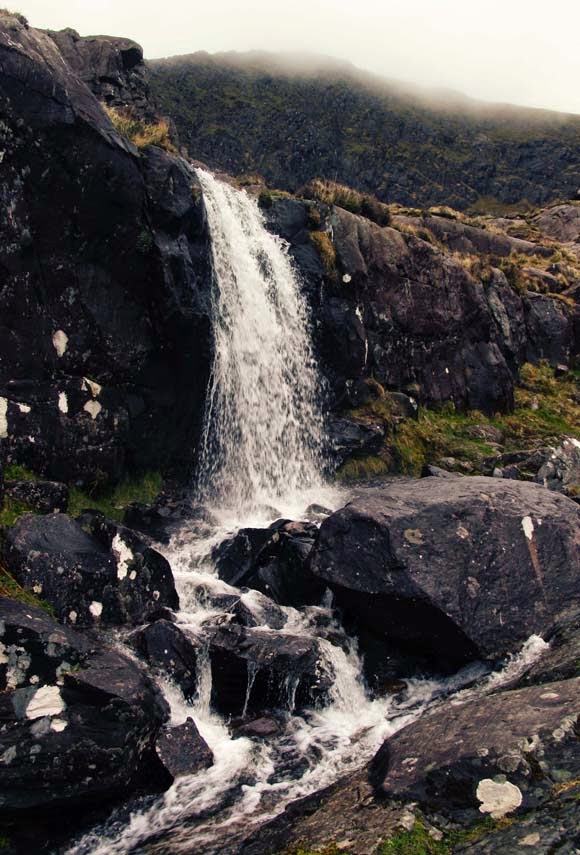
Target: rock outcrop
<point>104,331</point>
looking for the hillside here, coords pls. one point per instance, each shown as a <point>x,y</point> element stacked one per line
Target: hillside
<point>295,118</point>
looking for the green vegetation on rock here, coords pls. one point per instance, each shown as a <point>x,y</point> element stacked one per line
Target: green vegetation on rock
<point>10,588</point>
<point>112,501</point>
<point>546,408</point>
<point>141,134</point>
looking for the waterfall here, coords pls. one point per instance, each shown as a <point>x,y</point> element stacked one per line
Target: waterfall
<point>263,433</point>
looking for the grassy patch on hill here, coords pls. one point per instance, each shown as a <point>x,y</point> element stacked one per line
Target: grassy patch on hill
<point>141,134</point>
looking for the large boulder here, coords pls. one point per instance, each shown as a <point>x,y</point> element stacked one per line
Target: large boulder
<point>456,568</point>
<point>561,471</point>
<point>44,497</point>
<point>79,719</point>
<point>98,575</point>
<point>256,669</point>
<point>491,756</point>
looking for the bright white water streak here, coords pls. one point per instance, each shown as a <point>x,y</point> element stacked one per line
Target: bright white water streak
<point>263,437</point>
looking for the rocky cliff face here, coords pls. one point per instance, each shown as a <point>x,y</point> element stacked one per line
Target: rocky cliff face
<point>415,314</point>
<point>248,112</point>
<point>105,339</point>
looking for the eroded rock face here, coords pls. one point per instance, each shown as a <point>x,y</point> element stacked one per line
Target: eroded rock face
<point>100,574</point>
<point>79,719</point>
<point>490,756</point>
<point>457,568</point>
<point>104,318</point>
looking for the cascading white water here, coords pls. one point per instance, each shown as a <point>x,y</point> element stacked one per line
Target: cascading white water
<point>263,447</point>
<point>263,436</point>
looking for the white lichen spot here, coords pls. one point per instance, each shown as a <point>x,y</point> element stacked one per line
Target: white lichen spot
<point>47,701</point>
<point>63,402</point>
<point>34,680</point>
<point>3,419</point>
<point>156,595</point>
<point>93,386</point>
<point>462,532</point>
<point>96,609</point>
<point>498,799</point>
<point>346,278</point>
<point>60,342</point>
<point>93,408</point>
<point>58,725</point>
<point>550,696</point>
<point>72,616</point>
<point>530,839</point>
<point>24,408</point>
<point>133,575</point>
<point>37,588</point>
<point>447,371</point>
<point>9,755</point>
<point>528,527</point>
<point>123,555</point>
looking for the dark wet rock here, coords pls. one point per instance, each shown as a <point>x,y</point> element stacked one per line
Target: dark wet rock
<point>105,317</point>
<point>316,512</point>
<point>160,519</point>
<point>92,571</point>
<point>354,438</point>
<point>492,756</point>
<point>44,497</point>
<point>272,561</point>
<point>168,649</point>
<point>252,608</point>
<point>561,471</point>
<point>79,719</point>
<point>183,750</point>
<point>255,669</point>
<point>259,728</point>
<point>453,568</point>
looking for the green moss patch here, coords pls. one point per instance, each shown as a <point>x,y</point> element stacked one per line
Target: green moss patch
<point>10,588</point>
<point>112,501</point>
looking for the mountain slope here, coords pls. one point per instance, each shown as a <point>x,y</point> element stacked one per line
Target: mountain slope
<point>295,118</point>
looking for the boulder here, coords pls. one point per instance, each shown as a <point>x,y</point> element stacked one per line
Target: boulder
<point>250,608</point>
<point>160,519</point>
<point>454,568</point>
<point>79,719</point>
<point>273,561</point>
<point>255,669</point>
<point>491,756</point>
<point>183,750</point>
<point>168,649</point>
<point>44,497</point>
<point>94,575</point>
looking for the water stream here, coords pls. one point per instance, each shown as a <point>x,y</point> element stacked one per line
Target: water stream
<point>262,458</point>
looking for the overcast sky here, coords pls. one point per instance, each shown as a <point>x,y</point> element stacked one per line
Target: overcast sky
<point>519,51</point>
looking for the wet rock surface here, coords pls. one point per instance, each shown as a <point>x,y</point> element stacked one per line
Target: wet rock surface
<point>183,751</point>
<point>78,719</point>
<point>272,561</point>
<point>168,649</point>
<point>91,571</point>
<point>456,567</point>
<point>255,669</point>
